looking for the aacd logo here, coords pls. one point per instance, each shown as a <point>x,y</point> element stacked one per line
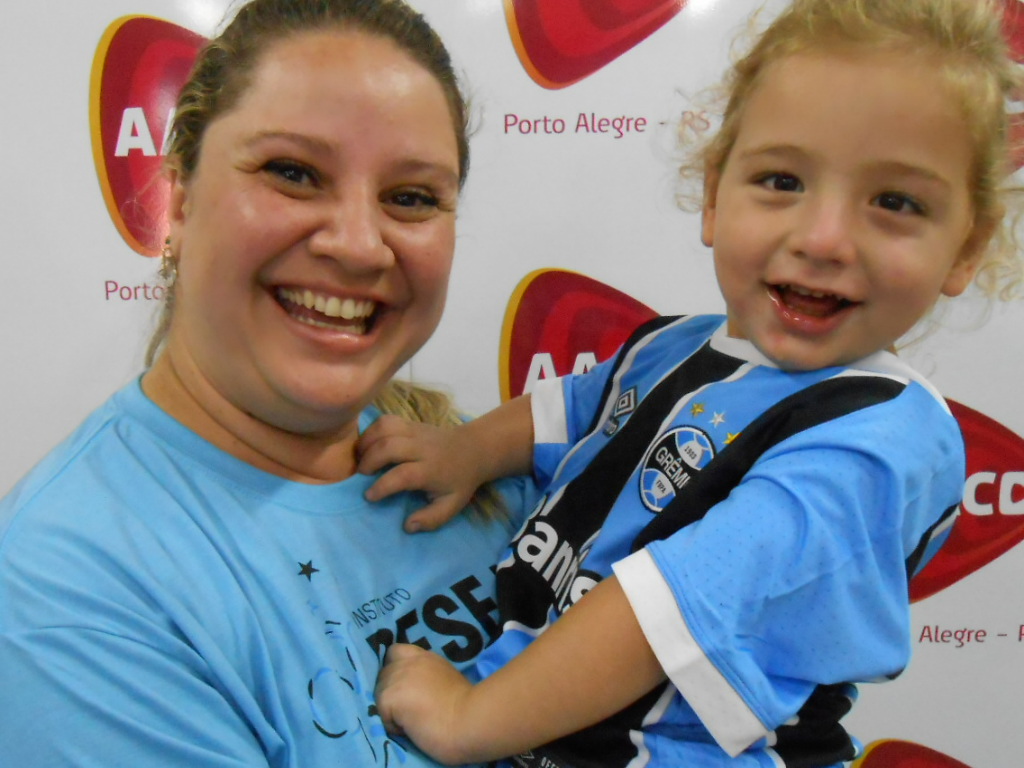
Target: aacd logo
<point>139,68</point>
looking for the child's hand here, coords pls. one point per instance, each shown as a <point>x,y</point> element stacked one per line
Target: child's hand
<point>420,695</point>
<point>425,458</point>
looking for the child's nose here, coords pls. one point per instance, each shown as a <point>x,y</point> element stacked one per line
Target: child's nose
<point>824,230</point>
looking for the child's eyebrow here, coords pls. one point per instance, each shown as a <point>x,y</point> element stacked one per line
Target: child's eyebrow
<point>782,151</point>
<point>883,167</point>
<point>912,171</point>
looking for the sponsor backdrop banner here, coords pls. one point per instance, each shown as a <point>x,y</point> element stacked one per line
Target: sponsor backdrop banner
<point>569,235</point>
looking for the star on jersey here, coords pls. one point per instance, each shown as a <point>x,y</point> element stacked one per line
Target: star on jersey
<point>697,409</point>
<point>718,419</point>
<point>307,570</point>
<point>730,437</point>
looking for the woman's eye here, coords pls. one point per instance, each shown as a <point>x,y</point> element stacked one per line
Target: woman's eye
<point>414,199</point>
<point>899,203</point>
<point>292,172</point>
<point>781,182</point>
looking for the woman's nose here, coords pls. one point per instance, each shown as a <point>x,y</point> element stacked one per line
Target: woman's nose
<point>352,233</point>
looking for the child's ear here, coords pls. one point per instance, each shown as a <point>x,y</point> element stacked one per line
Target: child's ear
<point>707,217</point>
<point>964,268</point>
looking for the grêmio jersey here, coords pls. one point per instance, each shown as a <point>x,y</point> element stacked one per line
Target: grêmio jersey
<point>763,524</point>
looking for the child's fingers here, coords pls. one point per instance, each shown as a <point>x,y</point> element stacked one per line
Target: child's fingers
<point>384,695</point>
<point>434,515</point>
<point>399,652</point>
<point>386,426</point>
<point>383,432</point>
<point>403,477</point>
<point>387,451</point>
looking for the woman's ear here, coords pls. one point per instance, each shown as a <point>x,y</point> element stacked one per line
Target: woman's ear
<point>178,202</point>
<point>707,215</point>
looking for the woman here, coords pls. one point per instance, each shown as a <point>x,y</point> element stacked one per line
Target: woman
<point>193,577</point>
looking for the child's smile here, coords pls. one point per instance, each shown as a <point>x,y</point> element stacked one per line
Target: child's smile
<point>803,305</point>
<point>843,209</point>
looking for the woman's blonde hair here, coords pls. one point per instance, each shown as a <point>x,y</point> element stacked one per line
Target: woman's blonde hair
<point>965,40</point>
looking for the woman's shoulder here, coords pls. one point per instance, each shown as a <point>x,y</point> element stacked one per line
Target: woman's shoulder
<point>61,464</point>
<point>111,470</point>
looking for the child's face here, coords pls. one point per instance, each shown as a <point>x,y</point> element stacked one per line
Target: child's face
<point>843,210</point>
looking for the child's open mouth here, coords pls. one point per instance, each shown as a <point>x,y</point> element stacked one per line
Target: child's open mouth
<point>802,301</point>
<point>330,312</point>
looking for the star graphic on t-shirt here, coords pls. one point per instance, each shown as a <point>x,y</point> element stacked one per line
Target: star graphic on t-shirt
<point>697,409</point>
<point>718,419</point>
<point>307,570</point>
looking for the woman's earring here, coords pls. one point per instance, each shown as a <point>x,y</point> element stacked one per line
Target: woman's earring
<point>168,264</point>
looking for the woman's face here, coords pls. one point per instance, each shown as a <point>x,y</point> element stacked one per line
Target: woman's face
<point>315,236</point>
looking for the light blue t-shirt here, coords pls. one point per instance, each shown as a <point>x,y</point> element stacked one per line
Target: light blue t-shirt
<point>163,603</point>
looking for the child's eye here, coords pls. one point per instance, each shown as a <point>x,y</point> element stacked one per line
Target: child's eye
<point>899,203</point>
<point>292,172</point>
<point>781,182</point>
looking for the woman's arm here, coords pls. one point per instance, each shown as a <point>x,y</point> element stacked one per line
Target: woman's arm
<point>591,663</point>
<point>448,464</point>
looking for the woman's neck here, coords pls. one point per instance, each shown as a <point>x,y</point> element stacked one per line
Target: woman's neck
<point>324,457</point>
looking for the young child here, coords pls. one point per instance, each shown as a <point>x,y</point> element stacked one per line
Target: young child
<point>734,505</point>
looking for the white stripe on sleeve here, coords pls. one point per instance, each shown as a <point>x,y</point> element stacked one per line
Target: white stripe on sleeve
<point>722,710</point>
<point>547,404</point>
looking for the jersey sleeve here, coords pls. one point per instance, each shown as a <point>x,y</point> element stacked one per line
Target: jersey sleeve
<point>798,577</point>
<point>563,412</point>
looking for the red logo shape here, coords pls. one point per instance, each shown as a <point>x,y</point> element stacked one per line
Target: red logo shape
<point>991,519</point>
<point>560,315</point>
<point>563,313</point>
<point>904,754</point>
<point>139,68</point>
<point>560,42</point>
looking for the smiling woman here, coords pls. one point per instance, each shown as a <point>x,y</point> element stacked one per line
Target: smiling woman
<point>197,558</point>
<point>290,195</point>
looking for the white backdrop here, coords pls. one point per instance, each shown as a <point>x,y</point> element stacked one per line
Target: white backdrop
<point>581,200</point>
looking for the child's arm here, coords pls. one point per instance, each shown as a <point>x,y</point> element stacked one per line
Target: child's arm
<point>448,464</point>
<point>590,664</point>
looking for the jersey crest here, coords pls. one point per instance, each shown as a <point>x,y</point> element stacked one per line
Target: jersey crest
<point>670,463</point>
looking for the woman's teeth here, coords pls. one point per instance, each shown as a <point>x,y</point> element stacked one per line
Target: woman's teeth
<point>332,306</point>
<point>353,313</point>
